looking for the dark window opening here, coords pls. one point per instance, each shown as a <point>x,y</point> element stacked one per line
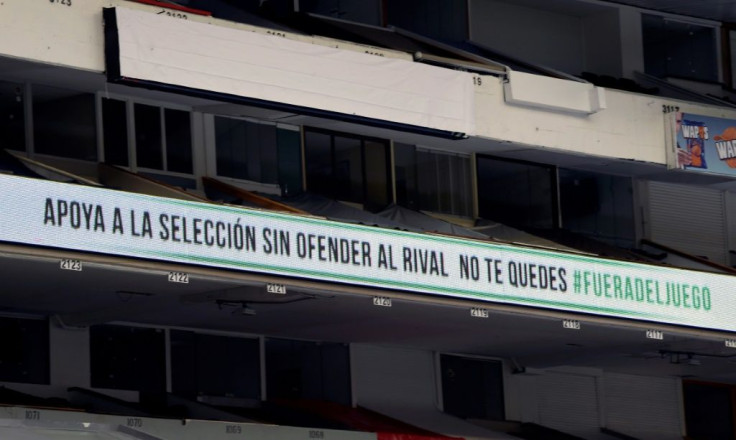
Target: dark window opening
<point>24,357</point>
<point>115,131</point>
<point>472,388</point>
<point>360,11</point>
<point>163,133</point>
<point>348,168</point>
<point>64,123</point>
<point>433,181</point>
<point>247,150</point>
<point>148,146</point>
<point>599,206</point>
<point>520,194</point>
<point>678,49</point>
<point>709,411</point>
<point>445,20</point>
<point>207,365</point>
<point>12,115</point>
<point>128,358</point>
<point>299,370</point>
<point>178,141</point>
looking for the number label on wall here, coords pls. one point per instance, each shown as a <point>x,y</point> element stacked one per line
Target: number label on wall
<point>134,422</point>
<point>278,289</point>
<point>62,2</point>
<point>571,324</point>
<point>655,334</point>
<point>233,429</point>
<point>477,312</point>
<point>173,14</point>
<point>70,264</point>
<point>382,301</point>
<point>179,277</point>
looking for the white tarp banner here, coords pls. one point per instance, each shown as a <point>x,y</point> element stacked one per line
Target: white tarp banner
<point>274,68</point>
<point>44,213</point>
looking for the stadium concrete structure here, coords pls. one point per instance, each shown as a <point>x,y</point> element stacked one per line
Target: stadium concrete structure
<point>297,219</point>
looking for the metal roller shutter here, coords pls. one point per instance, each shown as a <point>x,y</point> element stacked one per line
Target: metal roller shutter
<point>569,403</point>
<point>643,407</point>
<point>688,218</point>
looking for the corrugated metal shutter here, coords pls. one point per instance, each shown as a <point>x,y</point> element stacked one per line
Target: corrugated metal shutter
<point>689,218</point>
<point>569,403</point>
<point>643,407</point>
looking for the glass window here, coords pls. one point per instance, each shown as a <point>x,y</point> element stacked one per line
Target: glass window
<point>360,11</point>
<point>318,161</point>
<point>348,168</point>
<point>709,410</point>
<point>148,147</point>
<point>24,357</point>
<point>472,388</point>
<point>445,20</point>
<point>520,194</point>
<point>307,370</point>
<point>127,358</point>
<point>679,49</point>
<point>290,160</point>
<point>115,131</point>
<point>598,205</point>
<point>12,116</point>
<point>215,366</point>
<point>432,180</point>
<point>64,123</point>
<point>163,133</point>
<point>246,150</point>
<point>376,177</point>
<point>178,141</point>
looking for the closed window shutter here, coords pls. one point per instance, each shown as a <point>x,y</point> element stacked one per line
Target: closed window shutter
<point>689,218</point>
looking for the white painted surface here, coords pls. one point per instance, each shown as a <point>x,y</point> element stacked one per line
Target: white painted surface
<point>553,94</point>
<point>631,127</point>
<point>72,36</point>
<point>273,68</point>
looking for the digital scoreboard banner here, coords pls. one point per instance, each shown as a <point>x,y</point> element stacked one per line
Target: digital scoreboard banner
<point>44,213</point>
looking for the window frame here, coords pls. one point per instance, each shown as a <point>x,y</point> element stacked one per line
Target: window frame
<point>388,158</point>
<point>130,103</point>
<point>554,185</point>
<point>506,398</point>
<point>210,149</point>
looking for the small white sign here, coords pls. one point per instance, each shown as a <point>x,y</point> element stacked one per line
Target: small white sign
<point>278,289</point>
<point>382,301</point>
<point>69,264</point>
<point>571,324</point>
<point>179,277</point>
<point>655,334</point>
<point>478,312</point>
<point>731,343</point>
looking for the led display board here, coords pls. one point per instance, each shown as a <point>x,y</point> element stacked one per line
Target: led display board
<point>58,215</point>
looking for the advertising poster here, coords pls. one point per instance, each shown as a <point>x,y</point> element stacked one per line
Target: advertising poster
<point>705,144</point>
